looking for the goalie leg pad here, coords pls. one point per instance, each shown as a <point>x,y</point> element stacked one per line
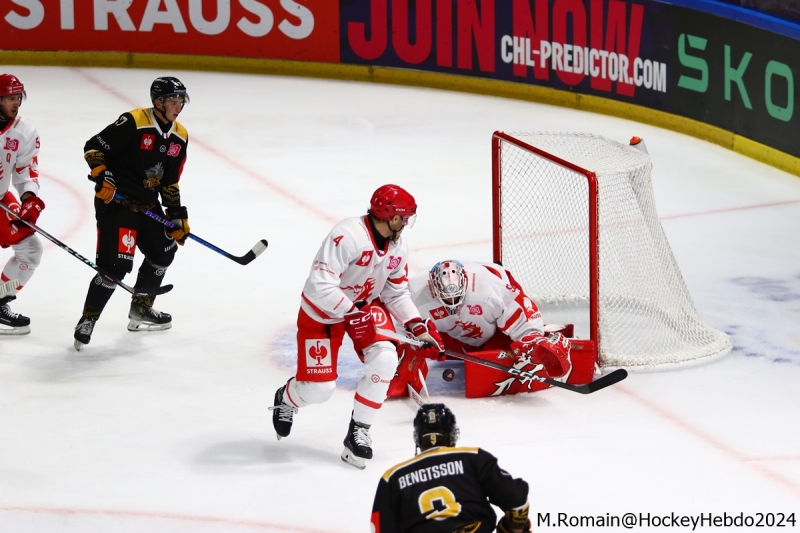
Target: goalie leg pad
<point>412,362</point>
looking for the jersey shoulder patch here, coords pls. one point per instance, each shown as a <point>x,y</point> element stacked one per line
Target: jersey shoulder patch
<point>142,118</point>
<point>180,131</point>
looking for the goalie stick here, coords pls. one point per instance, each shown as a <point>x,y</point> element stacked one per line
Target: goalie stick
<point>139,292</point>
<point>254,252</point>
<point>600,383</point>
<point>8,286</point>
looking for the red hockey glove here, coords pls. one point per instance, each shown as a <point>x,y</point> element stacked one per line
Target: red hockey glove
<point>31,208</point>
<point>180,217</point>
<point>552,351</point>
<point>104,185</point>
<point>425,331</point>
<point>358,323</point>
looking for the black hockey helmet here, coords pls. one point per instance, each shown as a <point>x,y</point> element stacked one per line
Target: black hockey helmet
<point>435,425</point>
<point>168,86</point>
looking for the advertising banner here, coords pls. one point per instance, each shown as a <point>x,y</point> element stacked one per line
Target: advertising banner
<point>659,54</point>
<point>655,54</point>
<point>303,30</point>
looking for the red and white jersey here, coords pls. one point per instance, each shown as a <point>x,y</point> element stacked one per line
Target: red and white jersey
<point>349,267</point>
<point>19,157</point>
<point>493,301</point>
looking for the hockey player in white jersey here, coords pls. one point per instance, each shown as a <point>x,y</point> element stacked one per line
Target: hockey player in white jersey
<point>19,151</point>
<point>480,306</point>
<point>358,281</point>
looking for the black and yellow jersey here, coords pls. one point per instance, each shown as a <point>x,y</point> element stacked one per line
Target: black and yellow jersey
<point>443,490</point>
<point>145,156</point>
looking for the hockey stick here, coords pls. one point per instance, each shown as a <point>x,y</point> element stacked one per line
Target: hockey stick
<point>600,383</point>
<point>8,286</point>
<point>139,292</point>
<point>254,252</point>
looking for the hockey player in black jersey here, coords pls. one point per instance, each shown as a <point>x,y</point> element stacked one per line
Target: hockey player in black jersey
<point>448,489</point>
<point>140,157</point>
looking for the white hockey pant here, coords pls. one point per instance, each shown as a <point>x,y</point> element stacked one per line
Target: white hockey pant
<point>380,364</point>
<point>27,256</point>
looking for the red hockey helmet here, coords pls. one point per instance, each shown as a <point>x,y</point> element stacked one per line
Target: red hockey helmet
<point>10,84</point>
<point>390,200</point>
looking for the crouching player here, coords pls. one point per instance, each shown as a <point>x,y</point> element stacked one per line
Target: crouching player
<point>480,307</point>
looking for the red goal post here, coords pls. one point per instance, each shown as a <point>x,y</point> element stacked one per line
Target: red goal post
<point>574,219</point>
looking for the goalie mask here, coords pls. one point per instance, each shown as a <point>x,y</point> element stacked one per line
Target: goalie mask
<point>448,282</point>
<point>435,425</point>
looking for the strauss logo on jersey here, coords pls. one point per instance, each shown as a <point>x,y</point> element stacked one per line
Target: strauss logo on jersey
<point>318,356</point>
<point>394,262</point>
<point>148,141</point>
<point>127,243</point>
<point>12,144</point>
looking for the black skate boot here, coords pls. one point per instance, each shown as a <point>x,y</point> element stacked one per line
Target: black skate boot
<point>145,318</point>
<point>282,414</point>
<point>83,332</point>
<point>16,323</point>
<point>357,445</point>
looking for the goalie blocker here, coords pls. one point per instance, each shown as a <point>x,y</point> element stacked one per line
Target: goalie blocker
<point>482,381</point>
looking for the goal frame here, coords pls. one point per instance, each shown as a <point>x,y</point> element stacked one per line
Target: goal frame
<point>594,238</point>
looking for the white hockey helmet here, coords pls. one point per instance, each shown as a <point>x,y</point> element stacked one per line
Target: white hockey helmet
<point>448,282</point>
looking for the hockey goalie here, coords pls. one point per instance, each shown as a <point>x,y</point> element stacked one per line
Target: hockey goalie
<point>479,308</point>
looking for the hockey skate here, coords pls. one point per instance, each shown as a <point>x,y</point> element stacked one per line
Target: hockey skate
<point>12,323</point>
<point>282,414</point>
<point>357,445</point>
<point>145,318</point>
<point>83,332</point>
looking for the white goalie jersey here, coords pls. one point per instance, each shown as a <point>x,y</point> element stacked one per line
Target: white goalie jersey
<point>349,268</point>
<point>19,151</point>
<point>493,302</point>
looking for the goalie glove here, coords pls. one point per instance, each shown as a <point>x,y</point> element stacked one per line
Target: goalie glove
<point>515,521</point>
<point>425,331</point>
<point>180,217</point>
<point>359,324</point>
<point>553,351</point>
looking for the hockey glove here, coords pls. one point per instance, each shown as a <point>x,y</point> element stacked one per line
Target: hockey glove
<point>359,325</point>
<point>425,331</point>
<point>515,521</point>
<point>552,351</point>
<point>104,185</point>
<point>180,217</point>
<point>31,209</point>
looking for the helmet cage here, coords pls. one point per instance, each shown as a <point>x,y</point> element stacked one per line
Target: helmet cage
<point>435,425</point>
<point>448,282</point>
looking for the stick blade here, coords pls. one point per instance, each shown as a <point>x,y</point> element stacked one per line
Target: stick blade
<point>254,252</point>
<point>155,291</point>
<point>609,379</point>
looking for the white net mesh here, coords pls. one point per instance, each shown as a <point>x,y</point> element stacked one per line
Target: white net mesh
<point>646,315</point>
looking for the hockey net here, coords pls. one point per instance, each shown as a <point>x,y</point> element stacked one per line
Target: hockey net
<point>575,222</point>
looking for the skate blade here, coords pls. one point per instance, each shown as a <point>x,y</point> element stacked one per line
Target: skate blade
<point>349,458</point>
<point>135,325</point>
<point>22,330</point>
<point>78,345</point>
